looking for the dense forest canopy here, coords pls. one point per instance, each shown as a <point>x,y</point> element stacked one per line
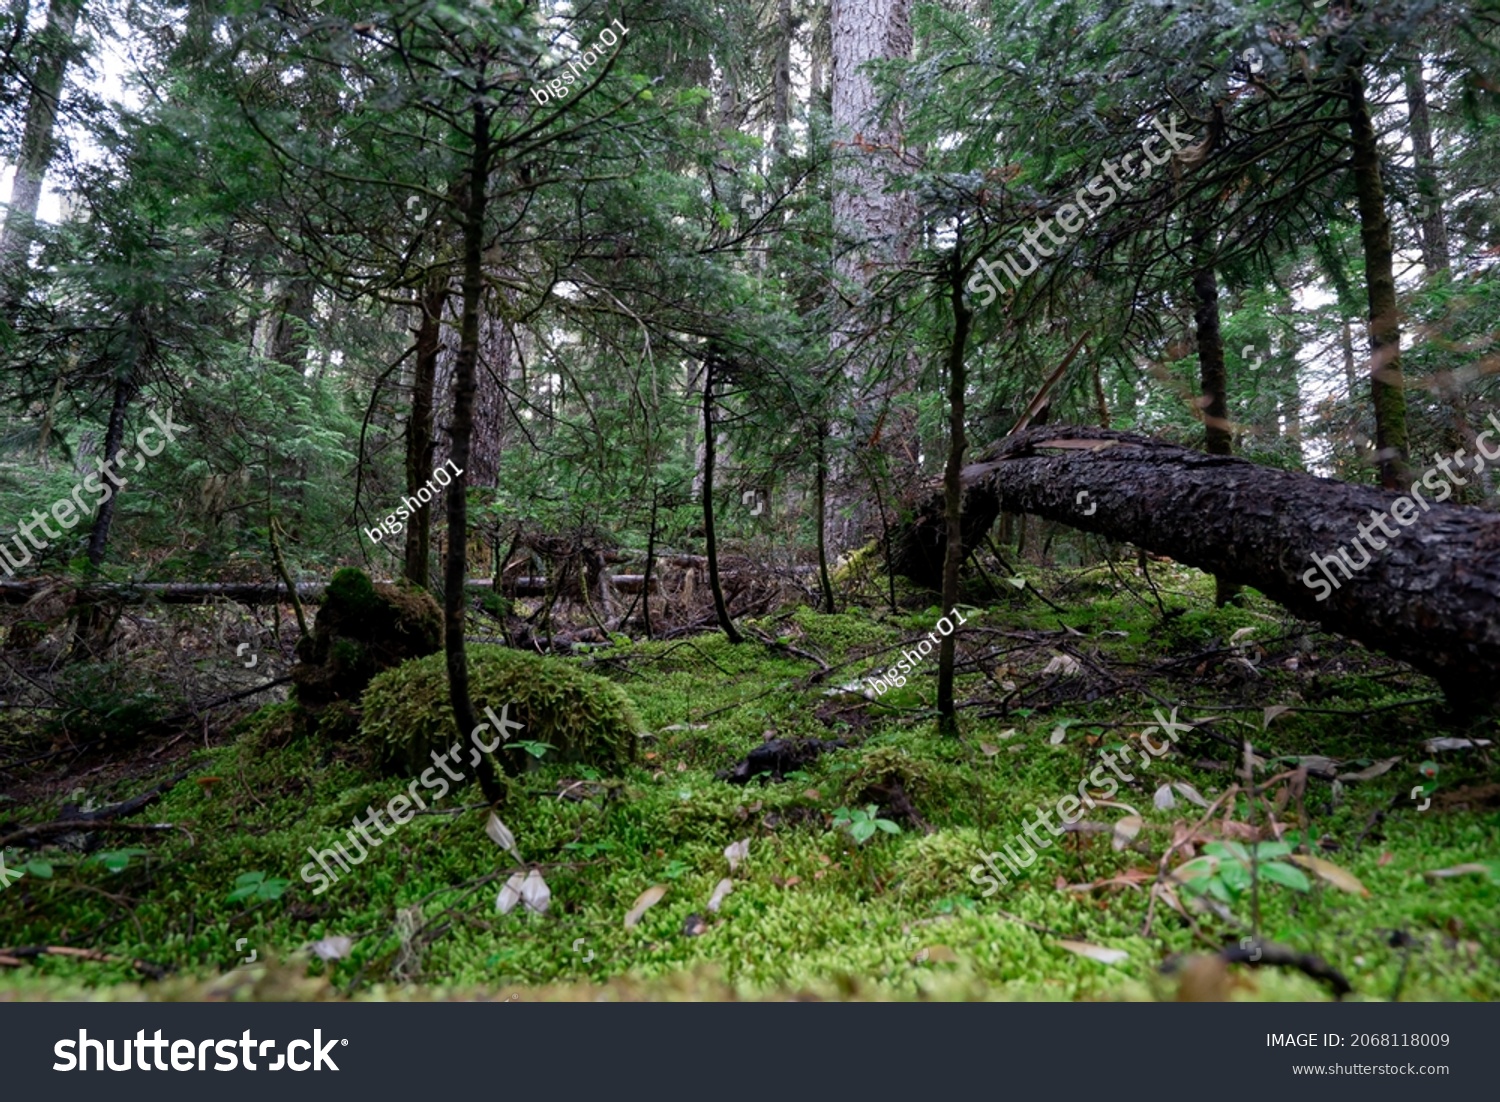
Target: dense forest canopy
<point>651,384</point>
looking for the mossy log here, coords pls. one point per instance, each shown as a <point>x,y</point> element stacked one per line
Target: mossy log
<point>1430,598</point>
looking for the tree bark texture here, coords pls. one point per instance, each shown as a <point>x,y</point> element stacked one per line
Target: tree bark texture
<point>1388,388</point>
<point>420,446</point>
<point>54,48</point>
<point>1432,230</point>
<point>1430,598</point>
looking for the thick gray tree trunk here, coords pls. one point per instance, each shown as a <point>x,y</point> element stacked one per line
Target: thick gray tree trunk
<point>1431,597</point>
<point>872,226</point>
<point>54,47</point>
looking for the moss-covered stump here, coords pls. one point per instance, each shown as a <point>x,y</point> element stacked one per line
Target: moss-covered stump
<point>362,629</point>
<point>583,718</point>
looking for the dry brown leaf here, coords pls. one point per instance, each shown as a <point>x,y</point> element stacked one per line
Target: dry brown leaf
<point>1371,772</point>
<point>935,954</point>
<point>988,749</point>
<point>1327,870</point>
<point>644,902</point>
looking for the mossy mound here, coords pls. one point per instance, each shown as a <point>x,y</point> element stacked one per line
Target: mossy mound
<point>583,718</point>
<point>362,629</point>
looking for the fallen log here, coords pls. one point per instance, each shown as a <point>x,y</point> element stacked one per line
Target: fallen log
<point>1430,597</point>
<point>246,593</point>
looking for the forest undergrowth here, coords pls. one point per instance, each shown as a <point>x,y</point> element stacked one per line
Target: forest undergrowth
<point>851,875</point>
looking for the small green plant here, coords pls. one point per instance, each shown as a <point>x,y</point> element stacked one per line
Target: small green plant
<point>862,823</point>
<point>536,749</point>
<point>257,886</point>
<point>1224,870</point>
<point>116,860</point>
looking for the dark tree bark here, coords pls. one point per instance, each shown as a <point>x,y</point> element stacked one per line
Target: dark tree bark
<point>953,477</point>
<point>1433,231</point>
<point>1431,597</point>
<point>473,204</point>
<point>721,609</point>
<point>1388,388</point>
<point>1218,439</point>
<point>420,447</point>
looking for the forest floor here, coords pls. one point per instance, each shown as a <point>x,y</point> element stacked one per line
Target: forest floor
<point>813,912</point>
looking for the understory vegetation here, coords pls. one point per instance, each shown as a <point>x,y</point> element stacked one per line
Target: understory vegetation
<point>812,910</point>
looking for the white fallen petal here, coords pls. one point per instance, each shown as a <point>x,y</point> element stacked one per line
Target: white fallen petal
<point>510,895</point>
<point>535,893</point>
<point>1164,800</point>
<point>1125,831</point>
<point>1093,952</point>
<point>500,834</point>
<point>721,889</point>
<point>736,852</point>
<point>332,948</point>
<point>1446,742</point>
<point>1189,793</point>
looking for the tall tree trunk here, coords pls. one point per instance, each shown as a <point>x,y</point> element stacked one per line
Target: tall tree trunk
<point>475,199</point>
<point>1388,391</point>
<point>1218,438</point>
<point>872,228</point>
<point>53,49</point>
<point>721,609</point>
<point>1433,231</point>
<point>419,441</point>
<point>114,437</point>
<point>781,80</point>
<point>953,478</point>
<point>824,582</point>
<point>89,629</point>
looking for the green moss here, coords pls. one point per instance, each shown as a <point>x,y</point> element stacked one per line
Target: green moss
<point>407,713</point>
<point>811,914</point>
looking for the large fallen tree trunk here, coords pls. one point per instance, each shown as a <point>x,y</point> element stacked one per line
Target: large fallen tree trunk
<point>1431,597</point>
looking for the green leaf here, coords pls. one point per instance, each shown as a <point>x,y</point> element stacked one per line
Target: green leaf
<point>1286,875</point>
<point>888,826</point>
<point>1272,849</point>
<point>240,893</point>
<point>272,889</point>
<point>248,878</point>
<point>863,831</point>
<point>37,867</point>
